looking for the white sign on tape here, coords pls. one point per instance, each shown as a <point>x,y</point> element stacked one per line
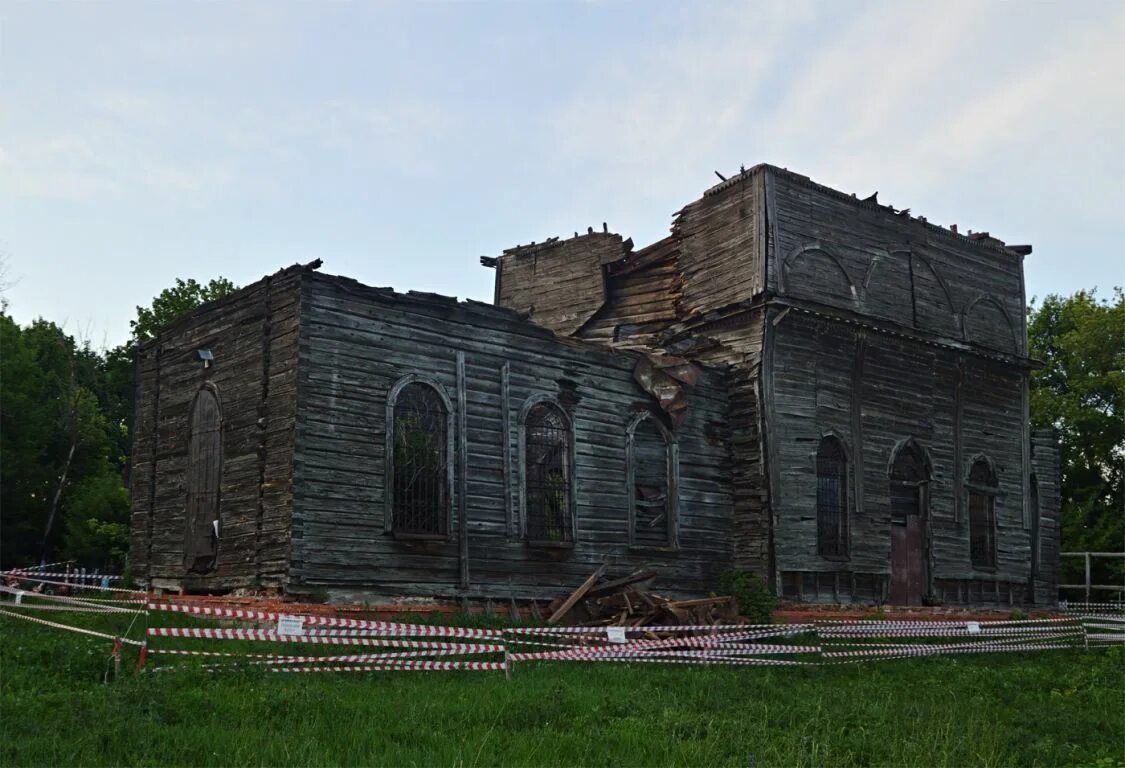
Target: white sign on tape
<point>19,598</point>
<point>973,627</point>
<point>616,634</point>
<point>290,625</point>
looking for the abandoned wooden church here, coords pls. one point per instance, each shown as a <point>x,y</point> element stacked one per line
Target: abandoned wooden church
<point>820,389</point>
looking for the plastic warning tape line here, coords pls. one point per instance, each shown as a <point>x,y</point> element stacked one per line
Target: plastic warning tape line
<point>862,641</point>
<point>951,646</point>
<point>1103,637</point>
<point>313,620</point>
<point>20,573</point>
<point>108,608</point>
<point>685,642</point>
<point>984,631</point>
<point>673,642</point>
<point>67,627</point>
<point>931,650</point>
<point>835,624</point>
<point>34,568</point>
<point>66,608</point>
<point>716,629</point>
<point>269,635</point>
<point>431,666</point>
<point>355,658</point>
<point>72,585</point>
<point>621,652</point>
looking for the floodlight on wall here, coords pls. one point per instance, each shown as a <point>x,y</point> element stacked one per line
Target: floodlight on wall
<point>206,356</point>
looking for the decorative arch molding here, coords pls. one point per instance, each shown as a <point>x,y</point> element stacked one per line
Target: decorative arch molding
<point>886,280</point>
<point>1010,341</point>
<point>672,475</point>
<point>817,251</point>
<point>389,454</point>
<point>570,535</point>
<point>923,259</point>
<point>911,443</point>
<point>993,471</point>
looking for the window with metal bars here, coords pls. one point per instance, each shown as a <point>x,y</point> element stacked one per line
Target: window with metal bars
<point>831,498</point>
<point>982,487</point>
<point>419,477</point>
<point>651,473</point>
<point>547,482</point>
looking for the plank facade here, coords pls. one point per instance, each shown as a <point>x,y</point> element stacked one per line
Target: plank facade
<point>856,430</point>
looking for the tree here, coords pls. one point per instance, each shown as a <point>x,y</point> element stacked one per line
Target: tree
<point>65,411</point>
<point>173,302</point>
<point>1081,393</point>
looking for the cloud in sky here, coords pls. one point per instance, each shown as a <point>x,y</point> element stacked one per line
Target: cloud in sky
<point>144,142</point>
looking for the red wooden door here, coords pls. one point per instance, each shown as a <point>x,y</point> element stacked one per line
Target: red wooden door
<point>908,528</point>
<point>204,472</point>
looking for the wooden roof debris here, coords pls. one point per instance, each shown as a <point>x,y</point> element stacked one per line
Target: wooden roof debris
<point>628,602</point>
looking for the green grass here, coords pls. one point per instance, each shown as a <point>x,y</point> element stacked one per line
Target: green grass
<point>1049,708</point>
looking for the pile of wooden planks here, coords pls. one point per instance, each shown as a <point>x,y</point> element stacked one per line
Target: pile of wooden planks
<point>628,602</point>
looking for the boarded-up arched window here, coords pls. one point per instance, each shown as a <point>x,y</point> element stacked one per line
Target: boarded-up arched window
<point>418,460</point>
<point>831,498</point>
<point>651,477</point>
<point>547,487</point>
<point>982,514</point>
<point>204,474</point>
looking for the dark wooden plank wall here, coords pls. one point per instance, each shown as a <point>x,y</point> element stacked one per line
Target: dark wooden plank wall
<point>642,298</point>
<point>886,357</point>
<point>1045,461</point>
<point>861,257</point>
<point>358,341</point>
<point>721,245</point>
<point>253,336</point>
<point>558,284</point>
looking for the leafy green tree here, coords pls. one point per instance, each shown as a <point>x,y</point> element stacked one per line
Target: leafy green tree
<point>173,302</point>
<point>54,432</point>
<point>1081,393</point>
<point>64,446</point>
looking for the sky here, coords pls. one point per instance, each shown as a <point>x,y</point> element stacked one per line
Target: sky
<point>399,142</point>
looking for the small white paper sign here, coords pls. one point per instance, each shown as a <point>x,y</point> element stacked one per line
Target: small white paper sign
<point>19,598</point>
<point>290,625</point>
<point>973,627</point>
<point>616,634</point>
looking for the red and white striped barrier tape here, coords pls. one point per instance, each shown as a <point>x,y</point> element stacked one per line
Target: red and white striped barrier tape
<point>314,620</point>
<point>428,666</point>
<point>23,595</point>
<point>19,573</point>
<point>923,650</point>
<point>83,587</point>
<point>269,635</point>
<point>69,628</point>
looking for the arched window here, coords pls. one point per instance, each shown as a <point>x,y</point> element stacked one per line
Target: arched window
<point>651,478</point>
<point>982,487</point>
<point>204,475</point>
<point>419,471</point>
<point>547,482</point>
<point>831,498</point>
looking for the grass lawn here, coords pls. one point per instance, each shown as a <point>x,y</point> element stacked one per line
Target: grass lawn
<point>1049,708</point>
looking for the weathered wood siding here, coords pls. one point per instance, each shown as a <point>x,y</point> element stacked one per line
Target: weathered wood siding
<point>886,329</point>
<point>862,258</point>
<point>1045,462</point>
<point>357,342</point>
<point>558,284</point>
<point>253,337</point>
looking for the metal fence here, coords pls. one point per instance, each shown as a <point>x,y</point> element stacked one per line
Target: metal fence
<point>1088,587</point>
